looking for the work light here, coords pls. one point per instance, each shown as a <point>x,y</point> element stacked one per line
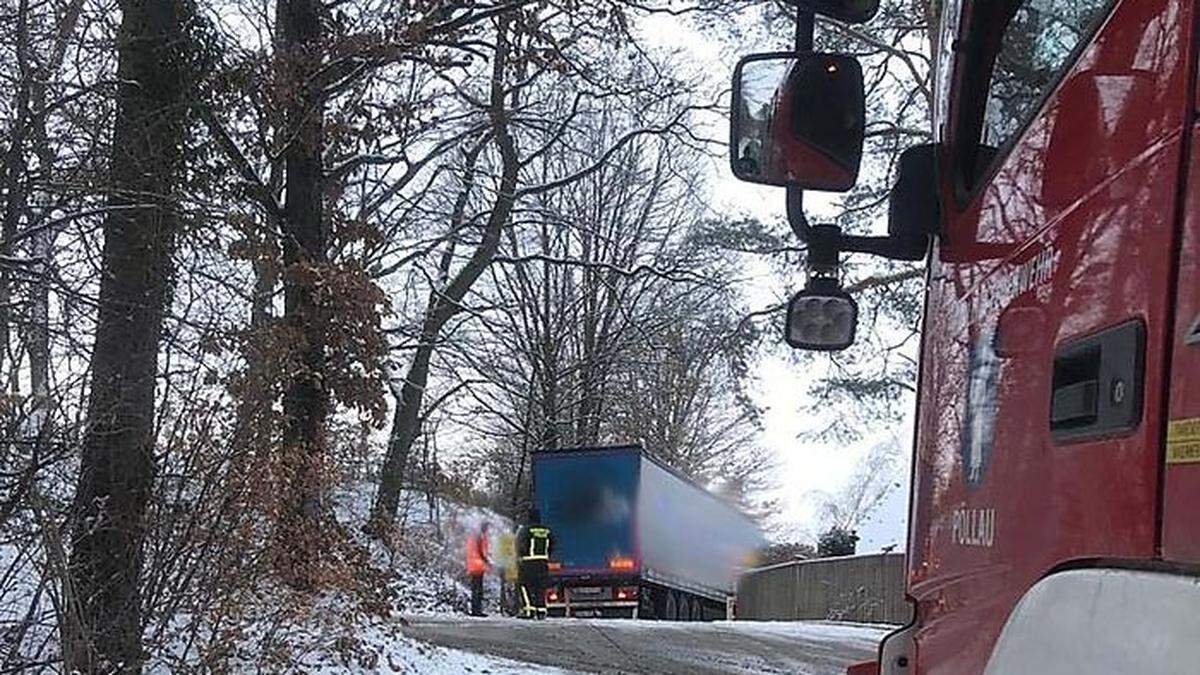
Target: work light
<point>821,317</point>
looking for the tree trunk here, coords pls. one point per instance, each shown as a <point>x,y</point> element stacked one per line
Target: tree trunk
<point>305,244</point>
<point>406,421</point>
<point>15,181</point>
<point>404,430</point>
<point>117,466</point>
<point>37,338</point>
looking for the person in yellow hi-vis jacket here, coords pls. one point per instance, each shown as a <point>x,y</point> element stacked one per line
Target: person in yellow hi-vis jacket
<point>533,553</point>
<point>506,566</point>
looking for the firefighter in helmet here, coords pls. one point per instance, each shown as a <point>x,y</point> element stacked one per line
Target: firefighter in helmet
<point>533,554</point>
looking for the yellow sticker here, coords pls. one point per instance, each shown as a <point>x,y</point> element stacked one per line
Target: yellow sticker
<point>1183,441</point>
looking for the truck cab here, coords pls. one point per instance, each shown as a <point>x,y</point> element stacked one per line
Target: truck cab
<point>1057,454</point>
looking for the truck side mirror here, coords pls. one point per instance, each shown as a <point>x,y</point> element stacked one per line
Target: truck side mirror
<point>914,207</point>
<point>798,119</point>
<point>850,11</point>
<point>822,317</point>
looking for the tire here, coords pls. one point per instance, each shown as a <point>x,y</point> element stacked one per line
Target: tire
<point>672,609</point>
<point>645,608</point>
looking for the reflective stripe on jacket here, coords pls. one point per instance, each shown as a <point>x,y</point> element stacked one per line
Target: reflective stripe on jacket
<point>533,543</point>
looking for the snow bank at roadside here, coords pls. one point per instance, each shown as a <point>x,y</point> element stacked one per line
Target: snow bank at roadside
<point>426,559</point>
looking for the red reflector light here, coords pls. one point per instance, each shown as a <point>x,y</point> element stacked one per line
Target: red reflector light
<point>620,563</point>
<point>626,592</point>
<point>554,565</point>
<point>551,595</point>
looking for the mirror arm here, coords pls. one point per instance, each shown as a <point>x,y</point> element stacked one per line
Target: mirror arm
<point>824,254</point>
<point>885,247</point>
<point>795,213</point>
<point>826,243</point>
<point>806,21</point>
<point>880,246</point>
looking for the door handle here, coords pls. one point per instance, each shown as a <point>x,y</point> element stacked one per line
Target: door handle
<point>1074,404</point>
<point>1097,383</point>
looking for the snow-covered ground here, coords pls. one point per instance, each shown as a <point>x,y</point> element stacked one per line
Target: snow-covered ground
<point>432,660</point>
<point>652,647</point>
<point>859,634</point>
<point>334,638</point>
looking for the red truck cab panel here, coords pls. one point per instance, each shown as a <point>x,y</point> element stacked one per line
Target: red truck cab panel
<point>864,668</point>
<point>1049,331</point>
<point>1181,492</point>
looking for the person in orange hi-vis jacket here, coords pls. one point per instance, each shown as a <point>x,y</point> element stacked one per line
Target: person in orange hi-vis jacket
<point>478,562</point>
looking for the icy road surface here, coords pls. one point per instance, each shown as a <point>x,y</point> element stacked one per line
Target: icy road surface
<point>625,646</point>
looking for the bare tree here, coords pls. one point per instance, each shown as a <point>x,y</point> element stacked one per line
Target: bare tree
<point>873,480</point>
<point>547,90</point>
<point>684,396</point>
<point>447,302</point>
<point>607,319</point>
<point>117,470</point>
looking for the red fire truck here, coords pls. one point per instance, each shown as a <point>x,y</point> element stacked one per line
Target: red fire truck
<point>1055,505</point>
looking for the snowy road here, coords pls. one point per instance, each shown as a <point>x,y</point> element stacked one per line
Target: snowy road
<point>624,646</point>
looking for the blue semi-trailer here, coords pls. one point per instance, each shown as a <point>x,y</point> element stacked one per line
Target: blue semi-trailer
<point>635,538</point>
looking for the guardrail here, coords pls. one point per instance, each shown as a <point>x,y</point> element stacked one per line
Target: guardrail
<point>862,588</point>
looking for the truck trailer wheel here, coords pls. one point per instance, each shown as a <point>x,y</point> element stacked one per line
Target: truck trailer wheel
<point>671,612</point>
